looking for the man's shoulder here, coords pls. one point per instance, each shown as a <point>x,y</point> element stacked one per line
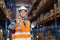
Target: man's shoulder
<point>16,18</point>
<point>28,21</point>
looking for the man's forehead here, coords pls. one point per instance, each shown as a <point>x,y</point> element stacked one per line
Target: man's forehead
<point>22,10</point>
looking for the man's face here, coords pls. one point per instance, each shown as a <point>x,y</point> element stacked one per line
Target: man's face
<point>22,13</point>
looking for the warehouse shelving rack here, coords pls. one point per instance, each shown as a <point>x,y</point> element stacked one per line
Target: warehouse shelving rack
<point>44,8</point>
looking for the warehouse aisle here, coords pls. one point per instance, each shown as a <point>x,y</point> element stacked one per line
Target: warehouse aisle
<point>44,17</point>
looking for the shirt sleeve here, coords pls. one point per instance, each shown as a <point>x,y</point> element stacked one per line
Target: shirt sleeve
<point>12,23</point>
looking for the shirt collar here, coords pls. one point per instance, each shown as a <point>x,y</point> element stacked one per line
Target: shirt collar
<point>22,18</point>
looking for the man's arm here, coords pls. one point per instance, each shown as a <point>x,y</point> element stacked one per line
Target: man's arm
<point>12,25</point>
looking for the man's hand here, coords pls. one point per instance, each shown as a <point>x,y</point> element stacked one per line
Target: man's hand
<point>13,27</point>
<point>19,24</point>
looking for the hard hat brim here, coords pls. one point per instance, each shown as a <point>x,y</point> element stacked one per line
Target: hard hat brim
<point>22,9</point>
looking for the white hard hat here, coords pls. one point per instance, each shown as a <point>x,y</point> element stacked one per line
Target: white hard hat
<point>22,8</point>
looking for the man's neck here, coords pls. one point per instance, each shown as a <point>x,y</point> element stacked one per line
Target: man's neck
<point>21,17</point>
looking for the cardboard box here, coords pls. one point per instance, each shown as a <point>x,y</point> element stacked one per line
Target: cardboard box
<point>51,13</point>
<point>33,1</point>
<point>58,1</point>
<point>56,8</point>
<point>59,5</point>
<point>41,17</point>
<point>2,3</point>
<point>1,33</point>
<point>46,15</point>
<point>58,36</point>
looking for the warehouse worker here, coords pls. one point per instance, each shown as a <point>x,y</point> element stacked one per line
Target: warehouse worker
<point>21,26</point>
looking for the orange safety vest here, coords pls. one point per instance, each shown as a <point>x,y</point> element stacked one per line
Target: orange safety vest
<point>24,30</point>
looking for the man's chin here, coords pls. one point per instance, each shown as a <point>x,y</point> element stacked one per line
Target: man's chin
<point>22,17</point>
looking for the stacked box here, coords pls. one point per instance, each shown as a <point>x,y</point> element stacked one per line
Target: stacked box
<point>56,9</point>
<point>41,17</point>
<point>40,4</point>
<point>46,15</point>
<point>2,3</point>
<point>9,14</point>
<point>41,36</point>
<point>59,5</point>
<point>59,35</point>
<point>1,34</point>
<point>38,19</point>
<point>33,1</point>
<point>38,35</point>
<point>59,1</point>
<point>59,32</point>
<point>48,35</point>
<point>51,13</point>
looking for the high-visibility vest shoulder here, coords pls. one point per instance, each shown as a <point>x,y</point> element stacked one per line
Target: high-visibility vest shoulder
<point>24,30</point>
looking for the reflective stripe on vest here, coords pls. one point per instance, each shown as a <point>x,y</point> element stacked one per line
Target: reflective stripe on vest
<point>17,33</point>
<point>21,36</point>
<point>22,39</point>
<point>24,30</point>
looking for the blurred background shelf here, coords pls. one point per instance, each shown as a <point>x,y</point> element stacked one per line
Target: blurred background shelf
<point>43,14</point>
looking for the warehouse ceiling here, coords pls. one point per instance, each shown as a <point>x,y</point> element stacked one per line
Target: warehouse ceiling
<point>24,1</point>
